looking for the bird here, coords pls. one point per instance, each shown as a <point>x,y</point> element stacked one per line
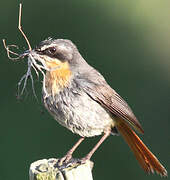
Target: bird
<point>80,99</point>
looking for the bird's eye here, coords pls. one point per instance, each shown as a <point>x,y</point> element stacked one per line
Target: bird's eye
<point>53,53</point>
<point>51,50</point>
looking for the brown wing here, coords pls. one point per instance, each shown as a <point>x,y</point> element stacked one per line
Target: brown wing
<point>109,99</point>
<point>98,89</point>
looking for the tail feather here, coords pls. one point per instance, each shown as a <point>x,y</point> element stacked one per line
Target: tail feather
<point>144,156</point>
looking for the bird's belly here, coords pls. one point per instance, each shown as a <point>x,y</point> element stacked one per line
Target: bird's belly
<point>80,114</point>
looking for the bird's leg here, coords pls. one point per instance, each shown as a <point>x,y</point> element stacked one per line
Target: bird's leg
<point>89,155</point>
<point>68,156</point>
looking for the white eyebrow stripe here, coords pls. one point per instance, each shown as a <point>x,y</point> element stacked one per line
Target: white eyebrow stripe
<point>61,46</point>
<point>46,46</point>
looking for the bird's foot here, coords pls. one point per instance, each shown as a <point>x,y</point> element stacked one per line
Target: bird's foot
<point>64,160</point>
<point>83,160</point>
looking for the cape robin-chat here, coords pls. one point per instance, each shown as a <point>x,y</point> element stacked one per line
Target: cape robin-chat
<point>79,98</point>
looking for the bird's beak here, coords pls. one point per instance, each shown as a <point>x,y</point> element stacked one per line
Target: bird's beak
<point>25,53</point>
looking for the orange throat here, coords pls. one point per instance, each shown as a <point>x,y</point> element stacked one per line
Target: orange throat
<point>57,79</point>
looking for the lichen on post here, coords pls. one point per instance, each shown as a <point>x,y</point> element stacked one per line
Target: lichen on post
<point>51,170</point>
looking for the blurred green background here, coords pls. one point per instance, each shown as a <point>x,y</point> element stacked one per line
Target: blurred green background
<point>128,41</point>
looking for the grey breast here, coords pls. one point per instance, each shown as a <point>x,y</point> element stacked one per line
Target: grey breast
<point>75,110</point>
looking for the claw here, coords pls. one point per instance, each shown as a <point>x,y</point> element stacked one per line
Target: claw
<point>64,160</point>
<point>83,160</point>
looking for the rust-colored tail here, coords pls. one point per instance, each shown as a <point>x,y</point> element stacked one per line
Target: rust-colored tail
<point>144,156</point>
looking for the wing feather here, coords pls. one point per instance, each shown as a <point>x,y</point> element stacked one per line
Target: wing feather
<point>94,84</point>
<point>113,102</point>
